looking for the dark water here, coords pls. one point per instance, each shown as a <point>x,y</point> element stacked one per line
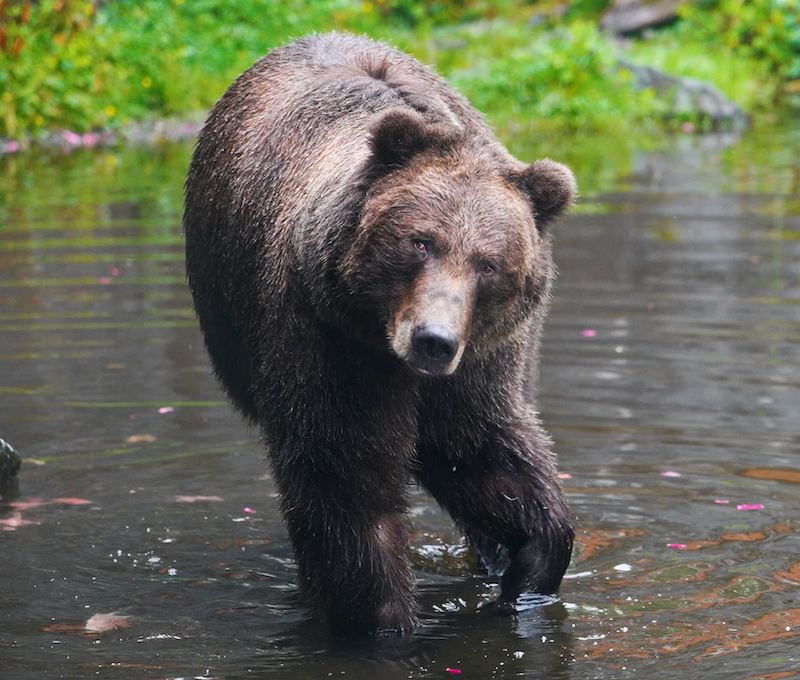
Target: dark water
<point>670,382</point>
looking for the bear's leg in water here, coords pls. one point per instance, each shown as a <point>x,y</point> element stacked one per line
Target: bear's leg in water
<point>487,461</point>
<point>340,449</point>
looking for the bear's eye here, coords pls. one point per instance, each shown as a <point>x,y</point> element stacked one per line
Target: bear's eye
<point>421,246</point>
<point>487,269</point>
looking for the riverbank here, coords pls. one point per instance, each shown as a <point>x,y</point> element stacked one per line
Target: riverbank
<point>83,74</point>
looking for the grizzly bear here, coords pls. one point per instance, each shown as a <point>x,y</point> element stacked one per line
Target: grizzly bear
<point>371,269</point>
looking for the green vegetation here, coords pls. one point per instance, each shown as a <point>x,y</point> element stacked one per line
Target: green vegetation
<point>85,65</point>
<point>749,49</point>
<point>566,78</point>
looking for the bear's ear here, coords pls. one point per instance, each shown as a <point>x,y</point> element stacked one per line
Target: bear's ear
<point>400,133</point>
<point>551,188</point>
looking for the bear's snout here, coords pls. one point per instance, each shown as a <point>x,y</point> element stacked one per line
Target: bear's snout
<point>433,348</point>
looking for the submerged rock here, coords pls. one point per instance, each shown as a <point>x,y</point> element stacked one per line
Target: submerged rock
<point>632,16</point>
<point>10,462</point>
<point>690,97</point>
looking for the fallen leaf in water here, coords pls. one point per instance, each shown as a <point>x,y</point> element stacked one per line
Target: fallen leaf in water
<point>670,473</point>
<point>72,501</point>
<point>750,506</point>
<point>166,409</point>
<point>14,522</point>
<point>744,536</point>
<point>101,623</point>
<point>775,474</point>
<point>195,499</point>
<point>677,546</point>
<point>64,628</point>
<point>139,438</point>
<point>26,505</point>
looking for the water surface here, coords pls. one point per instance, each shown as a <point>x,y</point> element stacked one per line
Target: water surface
<point>670,376</point>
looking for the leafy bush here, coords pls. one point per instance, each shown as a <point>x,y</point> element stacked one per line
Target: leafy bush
<point>78,64</point>
<point>567,76</point>
<point>764,30</point>
<point>47,74</point>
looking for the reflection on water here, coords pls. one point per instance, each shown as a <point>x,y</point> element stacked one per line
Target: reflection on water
<point>669,382</point>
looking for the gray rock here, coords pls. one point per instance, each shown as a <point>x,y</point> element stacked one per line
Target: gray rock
<point>9,462</point>
<point>631,16</point>
<point>690,96</point>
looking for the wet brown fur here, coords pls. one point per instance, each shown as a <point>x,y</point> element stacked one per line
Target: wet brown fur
<point>316,174</point>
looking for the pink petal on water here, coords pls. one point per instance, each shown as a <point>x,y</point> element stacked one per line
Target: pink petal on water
<point>250,510</point>
<point>650,305</point>
<point>101,623</point>
<point>89,139</point>
<point>452,670</point>
<point>14,522</point>
<point>670,473</point>
<point>588,333</point>
<point>564,475</point>
<point>12,146</point>
<point>721,501</point>
<point>677,546</point>
<point>72,501</point>
<point>103,280</point>
<point>114,271</point>
<point>195,499</point>
<point>166,409</point>
<point>750,506</point>
<point>26,505</point>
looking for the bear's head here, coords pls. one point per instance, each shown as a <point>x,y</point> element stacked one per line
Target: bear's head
<point>452,250</point>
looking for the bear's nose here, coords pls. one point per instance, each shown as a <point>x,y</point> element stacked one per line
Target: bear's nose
<point>436,344</point>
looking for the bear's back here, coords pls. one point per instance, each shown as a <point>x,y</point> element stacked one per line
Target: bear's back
<point>313,101</point>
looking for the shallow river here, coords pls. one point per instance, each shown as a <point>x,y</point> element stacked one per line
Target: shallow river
<point>670,383</point>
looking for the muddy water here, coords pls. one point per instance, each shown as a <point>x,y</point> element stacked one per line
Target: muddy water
<point>670,383</point>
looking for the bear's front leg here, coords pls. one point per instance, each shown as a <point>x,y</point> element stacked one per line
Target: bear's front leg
<point>350,538</point>
<point>487,461</point>
<point>340,446</point>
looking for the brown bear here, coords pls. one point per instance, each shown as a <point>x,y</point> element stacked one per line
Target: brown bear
<point>371,269</point>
